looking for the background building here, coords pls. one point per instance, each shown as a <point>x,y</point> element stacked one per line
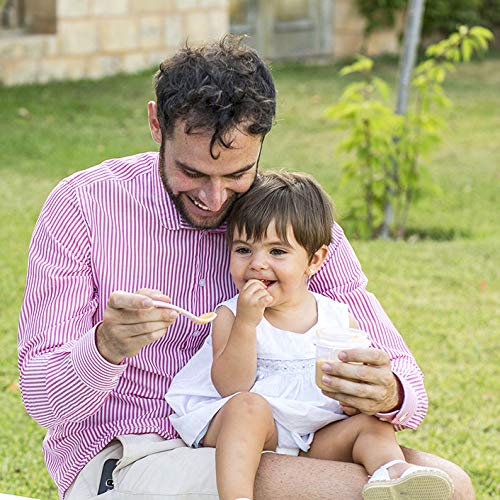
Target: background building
<point>43,40</point>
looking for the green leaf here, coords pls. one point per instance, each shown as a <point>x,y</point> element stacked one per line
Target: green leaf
<point>481,32</point>
<point>363,64</point>
<point>467,48</point>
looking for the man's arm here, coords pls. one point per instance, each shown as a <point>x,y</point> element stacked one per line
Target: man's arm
<point>68,369</point>
<point>63,376</point>
<point>342,279</point>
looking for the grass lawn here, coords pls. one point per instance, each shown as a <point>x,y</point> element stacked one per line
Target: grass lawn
<point>442,292</point>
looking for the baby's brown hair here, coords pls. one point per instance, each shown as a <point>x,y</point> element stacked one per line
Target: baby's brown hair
<point>285,198</point>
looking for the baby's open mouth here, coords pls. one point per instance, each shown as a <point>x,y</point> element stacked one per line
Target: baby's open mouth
<point>267,283</point>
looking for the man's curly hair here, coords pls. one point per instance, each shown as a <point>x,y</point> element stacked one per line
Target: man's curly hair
<point>216,87</point>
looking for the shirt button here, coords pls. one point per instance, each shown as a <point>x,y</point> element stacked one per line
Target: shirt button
<point>115,378</point>
<point>202,282</point>
<point>196,333</point>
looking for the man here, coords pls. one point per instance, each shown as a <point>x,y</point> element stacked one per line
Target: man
<point>96,357</point>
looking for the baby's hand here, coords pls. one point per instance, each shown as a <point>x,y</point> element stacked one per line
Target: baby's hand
<point>252,301</point>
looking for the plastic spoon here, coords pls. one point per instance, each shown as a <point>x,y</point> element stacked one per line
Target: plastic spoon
<point>199,320</point>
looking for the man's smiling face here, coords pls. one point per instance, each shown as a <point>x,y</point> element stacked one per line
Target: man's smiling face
<point>201,187</point>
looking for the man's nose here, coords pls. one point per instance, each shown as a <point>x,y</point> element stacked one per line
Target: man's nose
<point>214,195</point>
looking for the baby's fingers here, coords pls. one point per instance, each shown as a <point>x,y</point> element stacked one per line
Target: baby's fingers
<point>262,297</point>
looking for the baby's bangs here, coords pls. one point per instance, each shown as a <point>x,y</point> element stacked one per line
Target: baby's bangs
<point>275,207</point>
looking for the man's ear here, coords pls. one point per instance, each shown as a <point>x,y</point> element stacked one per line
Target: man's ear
<point>317,259</point>
<point>154,124</point>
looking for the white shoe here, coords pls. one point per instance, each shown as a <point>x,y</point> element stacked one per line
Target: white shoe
<point>415,483</point>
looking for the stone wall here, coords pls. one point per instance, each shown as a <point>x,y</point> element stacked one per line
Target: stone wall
<point>73,39</point>
<point>348,28</point>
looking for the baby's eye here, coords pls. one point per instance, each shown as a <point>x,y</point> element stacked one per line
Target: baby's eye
<point>277,251</point>
<point>242,250</point>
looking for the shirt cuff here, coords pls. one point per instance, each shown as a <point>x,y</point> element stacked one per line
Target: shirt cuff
<point>92,369</point>
<point>400,418</point>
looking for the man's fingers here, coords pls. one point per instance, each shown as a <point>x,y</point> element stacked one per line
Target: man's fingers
<point>356,372</point>
<point>360,390</point>
<point>126,300</point>
<point>146,338</point>
<point>127,317</point>
<point>131,345</point>
<point>139,329</point>
<point>369,356</point>
<point>153,294</point>
<point>349,410</point>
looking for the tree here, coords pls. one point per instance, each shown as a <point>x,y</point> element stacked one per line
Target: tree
<point>413,28</point>
<point>382,169</point>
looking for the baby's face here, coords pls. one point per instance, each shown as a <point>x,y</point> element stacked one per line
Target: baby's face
<point>282,266</point>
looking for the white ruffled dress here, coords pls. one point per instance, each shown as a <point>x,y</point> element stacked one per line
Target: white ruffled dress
<point>285,378</point>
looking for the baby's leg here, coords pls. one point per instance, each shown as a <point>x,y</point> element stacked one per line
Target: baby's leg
<point>361,439</point>
<point>372,443</point>
<point>240,431</point>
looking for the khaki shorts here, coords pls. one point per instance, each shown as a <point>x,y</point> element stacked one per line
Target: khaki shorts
<point>149,468</point>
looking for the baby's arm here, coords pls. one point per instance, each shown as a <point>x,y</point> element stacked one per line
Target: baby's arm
<point>234,340</point>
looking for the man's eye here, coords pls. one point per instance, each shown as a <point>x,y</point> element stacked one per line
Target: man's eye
<point>235,177</point>
<point>277,251</point>
<point>192,175</point>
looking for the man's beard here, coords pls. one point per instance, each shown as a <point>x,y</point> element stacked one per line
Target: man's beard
<point>179,203</point>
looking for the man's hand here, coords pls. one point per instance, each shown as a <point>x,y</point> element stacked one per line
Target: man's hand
<point>367,388</point>
<point>130,322</point>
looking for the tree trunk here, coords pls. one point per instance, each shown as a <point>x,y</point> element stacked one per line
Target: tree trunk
<point>413,28</point>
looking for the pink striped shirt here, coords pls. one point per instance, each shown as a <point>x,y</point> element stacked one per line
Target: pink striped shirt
<point>113,227</point>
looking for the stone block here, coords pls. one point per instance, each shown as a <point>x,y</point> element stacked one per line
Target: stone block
<point>215,3</point>
<point>186,4</point>
<point>77,37</point>
<point>72,8</point>
<point>174,31</point>
<point>383,41</point>
<point>150,32</point>
<point>39,46</point>
<point>347,18</point>
<point>53,69</point>
<point>151,6</point>
<point>19,72</point>
<point>156,57</point>
<point>347,45</point>
<point>197,26</point>
<point>24,46</point>
<point>218,22</point>
<point>77,67</point>
<point>132,63</point>
<point>110,7</point>
<point>101,66</point>
<point>52,45</point>
<point>118,35</point>
<point>10,48</point>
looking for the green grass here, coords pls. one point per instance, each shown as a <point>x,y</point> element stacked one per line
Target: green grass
<point>443,295</point>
